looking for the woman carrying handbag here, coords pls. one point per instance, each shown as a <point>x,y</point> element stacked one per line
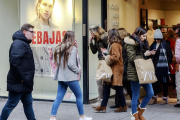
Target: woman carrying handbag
<point>137,47</point>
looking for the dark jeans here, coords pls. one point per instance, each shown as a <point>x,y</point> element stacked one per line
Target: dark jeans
<point>106,93</point>
<point>127,85</point>
<point>165,86</point>
<point>13,100</point>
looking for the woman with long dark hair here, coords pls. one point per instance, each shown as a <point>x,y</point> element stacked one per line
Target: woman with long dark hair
<point>68,73</point>
<point>137,47</point>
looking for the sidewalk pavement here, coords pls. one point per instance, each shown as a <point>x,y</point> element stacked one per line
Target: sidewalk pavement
<point>68,111</point>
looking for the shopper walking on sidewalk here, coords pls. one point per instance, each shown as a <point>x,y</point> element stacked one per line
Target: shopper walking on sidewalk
<point>137,47</point>
<point>98,40</point>
<point>68,72</point>
<point>177,56</point>
<point>161,60</point>
<point>20,78</point>
<point>115,60</point>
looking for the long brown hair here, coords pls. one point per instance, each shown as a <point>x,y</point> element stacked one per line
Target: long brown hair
<point>114,36</point>
<point>170,34</point>
<point>64,48</point>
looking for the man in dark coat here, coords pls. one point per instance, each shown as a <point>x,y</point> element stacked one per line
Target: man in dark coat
<point>21,74</point>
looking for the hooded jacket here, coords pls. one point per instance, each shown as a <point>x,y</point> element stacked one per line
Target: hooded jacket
<point>100,42</point>
<point>21,74</point>
<point>135,50</point>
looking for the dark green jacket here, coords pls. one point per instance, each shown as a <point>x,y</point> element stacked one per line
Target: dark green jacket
<point>133,52</point>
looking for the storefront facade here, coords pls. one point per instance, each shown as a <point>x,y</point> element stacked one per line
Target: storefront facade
<point>76,15</point>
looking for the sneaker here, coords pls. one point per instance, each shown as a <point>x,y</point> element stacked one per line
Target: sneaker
<point>177,105</point>
<point>163,102</point>
<point>96,104</point>
<point>85,118</point>
<point>153,101</point>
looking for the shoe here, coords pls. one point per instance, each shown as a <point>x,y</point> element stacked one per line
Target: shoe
<point>134,116</point>
<point>153,101</point>
<point>114,106</point>
<point>52,119</point>
<point>96,104</point>
<point>164,101</point>
<point>120,109</point>
<point>177,105</point>
<point>101,109</point>
<point>85,118</point>
<point>140,112</point>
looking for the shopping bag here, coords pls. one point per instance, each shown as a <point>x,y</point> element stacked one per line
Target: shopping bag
<point>145,71</point>
<point>104,71</point>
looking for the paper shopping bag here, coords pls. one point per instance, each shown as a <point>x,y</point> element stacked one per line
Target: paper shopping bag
<point>145,71</point>
<point>104,71</point>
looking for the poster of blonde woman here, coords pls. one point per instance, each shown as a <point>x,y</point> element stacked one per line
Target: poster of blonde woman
<point>51,19</point>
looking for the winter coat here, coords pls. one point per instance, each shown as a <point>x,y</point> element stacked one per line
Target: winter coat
<point>134,51</point>
<point>115,60</point>
<point>102,42</point>
<point>71,70</point>
<point>125,60</point>
<point>155,58</point>
<point>21,65</point>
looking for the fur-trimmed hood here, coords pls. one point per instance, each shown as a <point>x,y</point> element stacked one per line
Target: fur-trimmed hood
<point>129,40</point>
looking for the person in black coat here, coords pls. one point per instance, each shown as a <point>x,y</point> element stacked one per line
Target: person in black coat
<point>161,59</point>
<point>20,78</point>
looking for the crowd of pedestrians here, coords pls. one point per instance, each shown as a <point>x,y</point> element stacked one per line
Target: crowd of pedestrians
<point>118,48</point>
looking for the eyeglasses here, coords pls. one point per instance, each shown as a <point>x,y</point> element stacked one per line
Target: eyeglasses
<point>30,31</point>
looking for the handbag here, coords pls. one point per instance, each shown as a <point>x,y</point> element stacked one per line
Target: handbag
<point>104,71</point>
<point>145,71</point>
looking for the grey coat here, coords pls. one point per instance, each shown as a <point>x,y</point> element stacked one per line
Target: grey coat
<point>71,70</point>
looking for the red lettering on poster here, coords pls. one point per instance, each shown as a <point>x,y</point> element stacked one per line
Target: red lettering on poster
<point>58,37</point>
<point>45,38</point>
<point>52,39</point>
<point>39,37</point>
<point>34,37</point>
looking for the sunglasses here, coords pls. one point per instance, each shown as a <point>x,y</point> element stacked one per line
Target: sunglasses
<point>30,31</point>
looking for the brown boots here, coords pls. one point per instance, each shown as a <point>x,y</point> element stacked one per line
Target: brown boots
<point>140,112</point>
<point>134,116</point>
<point>101,109</point>
<point>120,109</point>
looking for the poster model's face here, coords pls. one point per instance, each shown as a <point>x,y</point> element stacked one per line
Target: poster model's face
<point>46,8</point>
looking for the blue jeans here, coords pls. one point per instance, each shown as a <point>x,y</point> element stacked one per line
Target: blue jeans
<point>13,100</point>
<point>106,94</point>
<point>62,88</point>
<point>135,86</point>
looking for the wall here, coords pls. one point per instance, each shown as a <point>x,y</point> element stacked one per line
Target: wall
<point>155,14</point>
<point>9,23</point>
<point>172,18</point>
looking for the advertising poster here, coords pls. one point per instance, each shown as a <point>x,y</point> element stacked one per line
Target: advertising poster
<point>51,19</point>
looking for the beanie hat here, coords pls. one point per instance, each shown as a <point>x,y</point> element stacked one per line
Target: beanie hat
<point>158,34</point>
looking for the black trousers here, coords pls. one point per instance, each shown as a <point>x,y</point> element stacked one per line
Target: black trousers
<point>127,85</point>
<point>106,94</point>
<point>164,85</point>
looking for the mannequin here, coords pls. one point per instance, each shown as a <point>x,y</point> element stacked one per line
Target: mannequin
<point>150,33</point>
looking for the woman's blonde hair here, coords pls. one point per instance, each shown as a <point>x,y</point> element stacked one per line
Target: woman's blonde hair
<point>97,31</point>
<point>123,33</point>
